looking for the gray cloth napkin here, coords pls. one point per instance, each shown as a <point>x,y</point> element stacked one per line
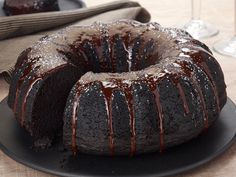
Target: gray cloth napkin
<point>19,32</point>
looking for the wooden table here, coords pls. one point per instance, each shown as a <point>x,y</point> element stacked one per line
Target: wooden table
<point>169,13</point>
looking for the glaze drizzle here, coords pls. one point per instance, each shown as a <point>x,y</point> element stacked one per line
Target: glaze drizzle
<point>161,118</point>
<point>74,121</point>
<point>107,92</point>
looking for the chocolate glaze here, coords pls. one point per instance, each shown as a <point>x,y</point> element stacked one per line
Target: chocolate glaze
<point>21,80</point>
<point>200,61</point>
<point>32,82</point>
<point>204,109</point>
<point>206,69</point>
<point>127,89</point>
<point>175,80</point>
<point>161,118</point>
<point>20,63</point>
<point>183,98</point>
<point>129,98</point>
<point>189,74</point>
<point>107,92</point>
<point>152,83</point>
<point>23,57</point>
<point>25,98</point>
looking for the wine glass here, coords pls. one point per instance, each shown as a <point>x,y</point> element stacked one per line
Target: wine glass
<point>228,46</point>
<point>196,27</point>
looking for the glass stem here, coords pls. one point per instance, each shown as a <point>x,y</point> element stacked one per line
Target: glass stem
<point>235,18</point>
<point>196,9</point>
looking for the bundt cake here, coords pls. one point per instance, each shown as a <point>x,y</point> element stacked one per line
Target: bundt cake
<point>121,88</point>
<point>17,7</point>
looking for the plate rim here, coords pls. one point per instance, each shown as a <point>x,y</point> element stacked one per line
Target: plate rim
<point>163,174</point>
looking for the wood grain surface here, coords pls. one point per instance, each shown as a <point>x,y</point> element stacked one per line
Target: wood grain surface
<point>170,13</point>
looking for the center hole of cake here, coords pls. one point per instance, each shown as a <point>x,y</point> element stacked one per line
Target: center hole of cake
<point>117,55</point>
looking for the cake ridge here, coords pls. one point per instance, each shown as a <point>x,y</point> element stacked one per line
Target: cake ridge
<point>37,79</point>
<point>108,95</point>
<point>74,122</point>
<point>181,93</point>
<point>195,83</point>
<point>160,116</point>
<point>203,103</point>
<point>129,99</point>
<point>206,70</point>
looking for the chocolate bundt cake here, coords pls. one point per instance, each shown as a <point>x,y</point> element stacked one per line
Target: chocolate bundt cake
<point>117,89</point>
<point>17,7</point>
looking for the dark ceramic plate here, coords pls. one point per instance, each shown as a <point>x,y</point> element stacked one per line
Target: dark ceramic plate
<point>63,4</point>
<point>16,143</point>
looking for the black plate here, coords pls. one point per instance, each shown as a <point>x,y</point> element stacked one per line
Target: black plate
<point>63,4</point>
<point>16,143</point>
